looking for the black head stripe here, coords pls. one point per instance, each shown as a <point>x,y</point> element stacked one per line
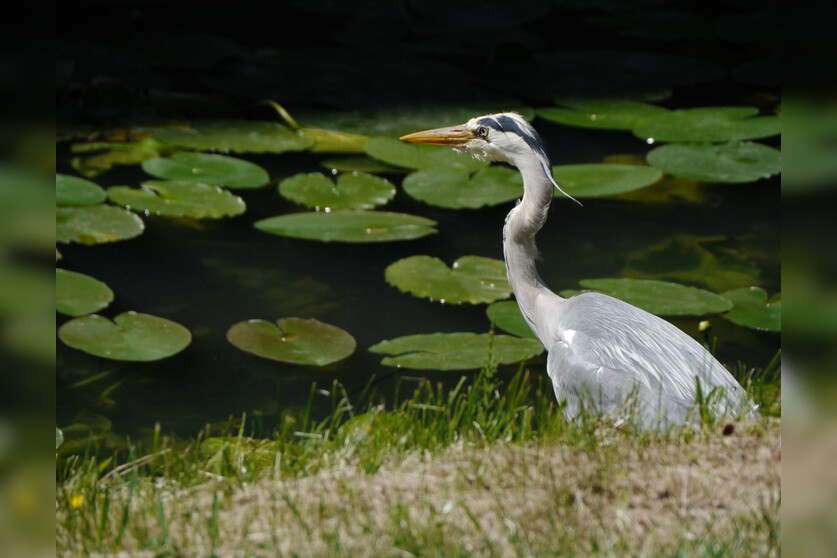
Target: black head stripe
<point>505,123</point>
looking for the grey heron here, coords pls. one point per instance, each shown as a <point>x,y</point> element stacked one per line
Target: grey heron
<point>602,352</point>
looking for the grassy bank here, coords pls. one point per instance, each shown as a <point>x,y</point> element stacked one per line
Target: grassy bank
<point>483,469</point>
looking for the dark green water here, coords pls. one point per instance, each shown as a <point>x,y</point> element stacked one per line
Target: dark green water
<point>210,275</point>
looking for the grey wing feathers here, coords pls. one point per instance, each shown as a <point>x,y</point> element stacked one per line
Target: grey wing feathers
<point>602,341</point>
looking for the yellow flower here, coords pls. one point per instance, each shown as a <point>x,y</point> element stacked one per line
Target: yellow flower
<point>76,501</point>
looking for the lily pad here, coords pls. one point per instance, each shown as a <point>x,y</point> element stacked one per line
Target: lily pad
<point>707,124</point>
<point>596,180</point>
<point>601,113</point>
<point>750,308</point>
<point>728,162</point>
<point>455,351</point>
<point>72,190</point>
<point>331,141</point>
<point>454,188</point>
<point>178,198</point>
<point>295,340</point>
<point>207,168</point>
<point>77,294</point>
<point>348,225</point>
<point>130,336</point>
<point>506,315</point>
<point>96,224</point>
<point>98,157</point>
<point>659,297</point>
<point>354,190</point>
<point>471,279</point>
<point>239,136</point>
<point>412,156</point>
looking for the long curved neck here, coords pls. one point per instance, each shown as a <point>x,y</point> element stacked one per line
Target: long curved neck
<point>522,223</point>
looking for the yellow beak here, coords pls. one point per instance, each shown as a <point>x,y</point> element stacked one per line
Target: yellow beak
<point>450,136</point>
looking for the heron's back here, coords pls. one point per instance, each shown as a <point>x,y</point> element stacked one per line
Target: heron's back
<point>602,333</point>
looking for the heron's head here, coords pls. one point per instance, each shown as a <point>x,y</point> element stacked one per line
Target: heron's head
<point>506,136</point>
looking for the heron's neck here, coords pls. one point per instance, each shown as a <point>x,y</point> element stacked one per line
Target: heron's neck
<point>522,223</point>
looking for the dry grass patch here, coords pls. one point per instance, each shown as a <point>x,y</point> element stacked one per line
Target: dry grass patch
<point>714,496</point>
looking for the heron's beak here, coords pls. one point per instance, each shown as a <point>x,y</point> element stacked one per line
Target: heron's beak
<point>450,136</point>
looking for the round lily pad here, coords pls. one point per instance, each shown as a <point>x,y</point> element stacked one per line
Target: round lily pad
<point>601,113</point>
<point>354,190</point>
<point>659,297</point>
<point>412,156</point>
<point>294,340</point>
<point>207,168</point>
<point>707,124</point>
<point>239,136</point>
<point>453,188</point>
<point>96,224</point>
<point>77,294</point>
<point>348,225</point>
<point>506,315</point>
<point>750,308</point>
<point>595,180</point>
<point>455,351</point>
<point>130,336</point>
<point>72,190</point>
<point>178,198</point>
<point>471,279</point>
<point>728,162</point>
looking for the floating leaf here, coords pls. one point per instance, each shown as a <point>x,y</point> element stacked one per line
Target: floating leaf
<point>728,162</point>
<point>472,279</point>
<point>355,190</point>
<point>77,294</point>
<point>347,225</point>
<point>96,224</point>
<point>102,156</point>
<point>72,190</point>
<point>595,180</point>
<point>412,156</point>
<point>659,297</point>
<point>295,340</point>
<point>453,188</point>
<point>178,198</point>
<point>455,351</point>
<point>750,308</point>
<point>602,113</point>
<point>207,168</point>
<point>506,315</point>
<point>239,136</point>
<point>130,336</point>
<point>707,124</point>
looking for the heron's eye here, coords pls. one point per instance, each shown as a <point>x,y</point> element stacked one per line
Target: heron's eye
<point>482,132</point>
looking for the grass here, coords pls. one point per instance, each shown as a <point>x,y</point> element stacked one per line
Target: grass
<point>484,469</point>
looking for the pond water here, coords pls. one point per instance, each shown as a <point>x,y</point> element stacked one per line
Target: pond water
<point>208,275</point>
<point>124,66</point>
